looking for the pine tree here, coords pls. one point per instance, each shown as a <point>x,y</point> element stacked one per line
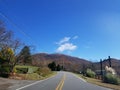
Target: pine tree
<point>52,66</point>
<point>58,67</point>
<point>26,55</point>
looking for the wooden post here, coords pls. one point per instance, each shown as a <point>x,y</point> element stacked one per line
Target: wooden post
<point>109,59</point>
<point>101,68</point>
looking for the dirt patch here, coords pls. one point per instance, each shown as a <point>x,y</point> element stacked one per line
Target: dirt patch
<point>5,86</point>
<point>11,84</point>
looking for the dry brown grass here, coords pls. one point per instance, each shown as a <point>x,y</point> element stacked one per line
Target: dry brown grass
<point>100,83</point>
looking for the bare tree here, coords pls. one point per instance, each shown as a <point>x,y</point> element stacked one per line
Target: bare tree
<point>8,42</point>
<point>4,34</point>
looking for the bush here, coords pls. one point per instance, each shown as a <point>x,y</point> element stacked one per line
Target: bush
<point>112,79</point>
<point>5,71</point>
<point>43,71</point>
<point>90,73</point>
<point>32,76</point>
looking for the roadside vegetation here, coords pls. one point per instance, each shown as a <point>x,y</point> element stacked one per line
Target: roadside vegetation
<point>108,78</point>
<point>99,82</point>
<point>32,73</point>
<point>16,59</point>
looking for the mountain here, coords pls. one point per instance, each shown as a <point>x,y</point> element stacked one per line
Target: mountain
<point>72,63</point>
<point>68,62</point>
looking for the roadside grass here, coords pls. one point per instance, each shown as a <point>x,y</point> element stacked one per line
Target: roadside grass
<point>31,69</point>
<point>34,73</point>
<point>35,76</point>
<point>31,76</point>
<point>99,82</point>
<point>53,73</point>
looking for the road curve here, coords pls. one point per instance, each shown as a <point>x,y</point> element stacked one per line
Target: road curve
<point>62,81</point>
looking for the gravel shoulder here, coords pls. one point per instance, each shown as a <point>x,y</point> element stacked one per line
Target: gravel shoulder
<point>11,84</point>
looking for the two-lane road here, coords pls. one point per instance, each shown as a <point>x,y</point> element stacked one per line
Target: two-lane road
<point>62,81</point>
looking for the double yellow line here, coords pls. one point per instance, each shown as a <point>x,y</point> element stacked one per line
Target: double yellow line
<point>60,85</point>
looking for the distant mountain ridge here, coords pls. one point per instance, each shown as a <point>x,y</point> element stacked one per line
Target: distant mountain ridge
<point>72,63</point>
<point>68,62</point>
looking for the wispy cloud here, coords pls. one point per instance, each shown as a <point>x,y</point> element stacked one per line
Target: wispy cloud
<point>65,39</point>
<point>65,44</point>
<point>75,37</point>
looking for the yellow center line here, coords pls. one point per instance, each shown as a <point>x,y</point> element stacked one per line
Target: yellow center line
<point>62,82</point>
<point>60,85</point>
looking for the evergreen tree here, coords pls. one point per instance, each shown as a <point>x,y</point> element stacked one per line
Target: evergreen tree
<point>52,66</point>
<point>58,67</point>
<point>26,55</point>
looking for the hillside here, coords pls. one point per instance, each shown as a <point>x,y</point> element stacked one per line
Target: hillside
<point>68,62</point>
<point>72,63</point>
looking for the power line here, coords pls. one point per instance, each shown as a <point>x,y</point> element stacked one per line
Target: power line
<point>9,20</point>
<point>19,29</point>
<point>31,40</point>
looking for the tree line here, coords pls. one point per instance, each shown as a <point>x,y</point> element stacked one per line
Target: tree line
<point>55,67</point>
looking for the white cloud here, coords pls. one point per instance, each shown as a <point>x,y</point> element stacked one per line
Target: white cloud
<point>64,40</point>
<point>65,44</point>
<point>66,47</point>
<point>75,37</point>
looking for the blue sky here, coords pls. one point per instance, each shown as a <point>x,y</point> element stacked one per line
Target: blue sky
<point>83,28</point>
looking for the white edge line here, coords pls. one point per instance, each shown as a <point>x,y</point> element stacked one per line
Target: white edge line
<point>34,83</point>
<point>79,78</point>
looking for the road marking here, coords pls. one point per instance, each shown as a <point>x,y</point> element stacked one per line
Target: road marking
<point>34,83</point>
<point>62,82</point>
<point>60,85</point>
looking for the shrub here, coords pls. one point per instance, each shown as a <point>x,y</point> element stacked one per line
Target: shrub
<point>32,76</point>
<point>112,79</point>
<point>90,73</point>
<point>5,71</point>
<point>43,71</point>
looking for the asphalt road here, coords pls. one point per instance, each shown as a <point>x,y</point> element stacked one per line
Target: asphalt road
<point>62,81</point>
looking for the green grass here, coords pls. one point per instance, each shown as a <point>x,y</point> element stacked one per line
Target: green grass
<point>31,69</point>
<point>25,66</point>
<point>34,74</point>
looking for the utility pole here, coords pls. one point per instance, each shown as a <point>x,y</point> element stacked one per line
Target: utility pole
<point>63,65</point>
<point>101,68</point>
<point>109,59</point>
